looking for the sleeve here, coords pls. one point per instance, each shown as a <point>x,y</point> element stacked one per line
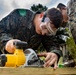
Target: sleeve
<point>34,42</point>
<point>4,33</point>
<point>51,44</point>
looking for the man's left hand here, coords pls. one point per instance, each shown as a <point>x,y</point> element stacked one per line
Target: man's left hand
<point>50,59</point>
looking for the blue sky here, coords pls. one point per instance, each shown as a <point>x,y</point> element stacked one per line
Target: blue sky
<point>6,6</point>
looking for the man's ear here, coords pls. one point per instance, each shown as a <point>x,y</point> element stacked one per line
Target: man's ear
<point>41,15</point>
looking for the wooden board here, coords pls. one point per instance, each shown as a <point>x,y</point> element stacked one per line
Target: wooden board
<point>37,71</point>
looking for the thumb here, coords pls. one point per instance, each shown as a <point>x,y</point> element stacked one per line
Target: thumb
<point>42,54</point>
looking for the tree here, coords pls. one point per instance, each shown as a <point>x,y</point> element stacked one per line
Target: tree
<point>38,7</point>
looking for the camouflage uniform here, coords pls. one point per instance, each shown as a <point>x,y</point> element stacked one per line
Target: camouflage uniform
<point>72,24</point>
<point>72,27</point>
<point>15,26</point>
<point>72,16</point>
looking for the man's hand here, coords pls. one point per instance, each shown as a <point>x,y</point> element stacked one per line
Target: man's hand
<point>51,59</point>
<point>9,47</point>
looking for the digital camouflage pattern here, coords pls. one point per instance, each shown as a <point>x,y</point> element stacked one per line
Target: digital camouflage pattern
<point>72,26</point>
<point>19,26</point>
<point>69,48</point>
<point>13,26</point>
<point>72,15</point>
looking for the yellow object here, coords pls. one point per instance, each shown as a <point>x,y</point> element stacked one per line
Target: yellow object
<point>15,60</point>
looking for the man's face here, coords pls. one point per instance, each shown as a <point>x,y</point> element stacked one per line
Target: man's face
<point>65,14</point>
<point>47,27</point>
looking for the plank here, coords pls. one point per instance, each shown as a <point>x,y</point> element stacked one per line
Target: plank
<point>37,71</point>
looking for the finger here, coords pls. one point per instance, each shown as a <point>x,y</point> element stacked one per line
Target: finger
<point>55,65</point>
<point>42,54</point>
<point>52,61</point>
<point>47,63</point>
<point>48,57</point>
<point>48,60</point>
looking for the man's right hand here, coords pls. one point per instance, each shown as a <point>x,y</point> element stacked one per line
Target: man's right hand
<point>9,47</point>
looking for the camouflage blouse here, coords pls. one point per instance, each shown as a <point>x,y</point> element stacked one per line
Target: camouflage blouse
<point>17,26</point>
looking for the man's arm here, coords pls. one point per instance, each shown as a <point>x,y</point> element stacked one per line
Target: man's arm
<point>5,35</point>
<point>53,51</point>
<point>51,44</point>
